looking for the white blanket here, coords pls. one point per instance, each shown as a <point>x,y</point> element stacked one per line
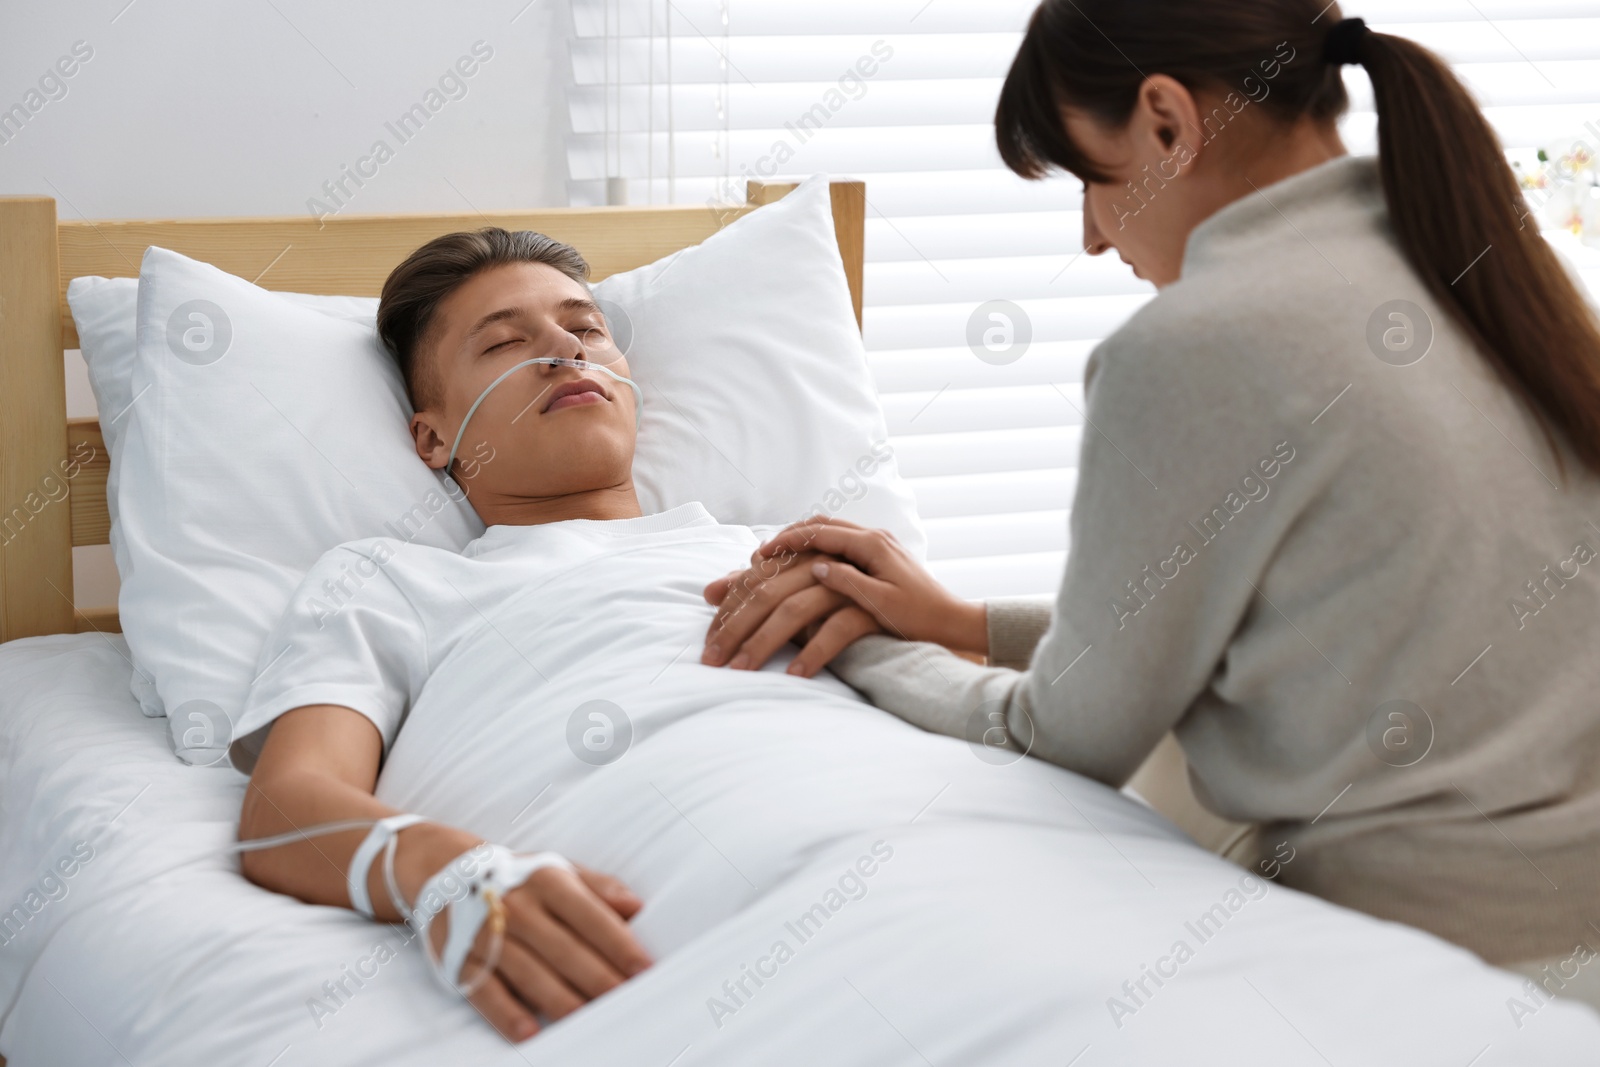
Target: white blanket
<point>1012,914</point>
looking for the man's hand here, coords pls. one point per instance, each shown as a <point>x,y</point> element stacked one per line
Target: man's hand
<point>566,942</point>
<point>777,600</point>
<point>872,579</point>
<point>566,939</point>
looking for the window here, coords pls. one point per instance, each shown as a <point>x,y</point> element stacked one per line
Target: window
<point>682,100</point>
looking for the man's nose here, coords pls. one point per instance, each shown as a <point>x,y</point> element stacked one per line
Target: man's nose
<point>564,344</point>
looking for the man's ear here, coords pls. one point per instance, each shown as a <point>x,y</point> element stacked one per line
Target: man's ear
<point>430,443</point>
<point>1166,121</point>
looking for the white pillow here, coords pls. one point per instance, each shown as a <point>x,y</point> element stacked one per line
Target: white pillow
<point>105,311</point>
<point>274,427</point>
<point>270,432</point>
<point>758,401</point>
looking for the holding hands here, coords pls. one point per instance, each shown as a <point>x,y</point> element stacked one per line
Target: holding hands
<point>826,582</point>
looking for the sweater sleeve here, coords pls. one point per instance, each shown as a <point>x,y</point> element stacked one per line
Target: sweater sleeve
<point>1015,625</point>
<point>1193,468</point>
<point>929,686</point>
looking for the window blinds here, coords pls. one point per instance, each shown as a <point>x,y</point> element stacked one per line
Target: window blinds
<point>683,100</point>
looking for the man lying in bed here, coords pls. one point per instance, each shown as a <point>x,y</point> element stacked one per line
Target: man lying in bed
<point>571,591</point>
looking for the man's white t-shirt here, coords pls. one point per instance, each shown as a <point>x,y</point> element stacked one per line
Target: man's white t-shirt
<point>568,640</point>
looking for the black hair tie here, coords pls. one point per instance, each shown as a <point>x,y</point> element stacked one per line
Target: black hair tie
<point>1343,46</point>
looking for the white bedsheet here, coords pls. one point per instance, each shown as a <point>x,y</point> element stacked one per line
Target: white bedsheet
<point>1017,902</point>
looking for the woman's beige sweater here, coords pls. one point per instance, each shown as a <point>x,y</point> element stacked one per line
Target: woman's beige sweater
<point>1361,592</point>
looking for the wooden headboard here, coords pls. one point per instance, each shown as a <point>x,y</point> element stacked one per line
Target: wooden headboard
<point>351,255</point>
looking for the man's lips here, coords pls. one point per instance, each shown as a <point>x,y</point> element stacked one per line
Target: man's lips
<point>575,393</point>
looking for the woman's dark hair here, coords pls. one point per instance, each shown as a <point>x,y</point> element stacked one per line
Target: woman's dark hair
<point>1454,202</point>
<point>415,289</point>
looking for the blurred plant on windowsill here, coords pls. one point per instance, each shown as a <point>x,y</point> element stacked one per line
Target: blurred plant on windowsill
<point>1563,189</point>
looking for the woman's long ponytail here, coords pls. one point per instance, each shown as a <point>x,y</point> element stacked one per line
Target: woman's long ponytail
<point>1455,205</point>
<point>1464,225</point>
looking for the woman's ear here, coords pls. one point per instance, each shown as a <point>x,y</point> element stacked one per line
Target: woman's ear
<point>1165,125</point>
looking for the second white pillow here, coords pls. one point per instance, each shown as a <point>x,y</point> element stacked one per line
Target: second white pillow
<point>758,401</point>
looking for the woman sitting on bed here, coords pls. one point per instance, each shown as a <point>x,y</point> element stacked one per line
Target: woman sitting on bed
<point>1338,507</point>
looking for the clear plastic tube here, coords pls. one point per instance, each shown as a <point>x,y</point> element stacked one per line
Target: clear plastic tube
<point>553,361</point>
<point>496,929</point>
<point>496,933</point>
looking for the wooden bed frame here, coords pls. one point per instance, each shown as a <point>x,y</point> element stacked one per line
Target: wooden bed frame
<point>351,255</point>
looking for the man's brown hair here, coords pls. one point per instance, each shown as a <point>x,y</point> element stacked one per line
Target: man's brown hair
<point>415,289</point>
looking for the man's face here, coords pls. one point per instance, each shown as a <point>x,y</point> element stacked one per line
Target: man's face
<point>545,431</point>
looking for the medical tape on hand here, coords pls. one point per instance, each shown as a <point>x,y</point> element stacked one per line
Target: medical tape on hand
<point>553,361</point>
<point>381,837</point>
<point>479,897</point>
<point>482,901</point>
<point>504,872</point>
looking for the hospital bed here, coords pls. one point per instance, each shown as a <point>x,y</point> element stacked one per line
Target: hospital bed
<point>1053,937</point>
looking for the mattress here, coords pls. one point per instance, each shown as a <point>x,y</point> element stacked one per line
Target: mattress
<point>1014,915</point>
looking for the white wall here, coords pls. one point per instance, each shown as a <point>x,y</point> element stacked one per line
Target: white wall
<point>246,107</point>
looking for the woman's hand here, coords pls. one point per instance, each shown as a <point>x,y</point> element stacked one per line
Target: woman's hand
<point>774,601</point>
<point>566,942</point>
<point>786,589</point>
